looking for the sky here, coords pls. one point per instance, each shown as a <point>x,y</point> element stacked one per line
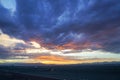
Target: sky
<point>59,31</point>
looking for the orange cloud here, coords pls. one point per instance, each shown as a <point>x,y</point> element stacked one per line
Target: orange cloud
<point>72,45</point>
<point>55,60</point>
<point>60,60</point>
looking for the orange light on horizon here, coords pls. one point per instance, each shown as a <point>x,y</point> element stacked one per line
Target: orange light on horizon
<point>60,60</point>
<point>55,60</point>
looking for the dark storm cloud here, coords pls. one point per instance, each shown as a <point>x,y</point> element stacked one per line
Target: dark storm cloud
<point>61,21</point>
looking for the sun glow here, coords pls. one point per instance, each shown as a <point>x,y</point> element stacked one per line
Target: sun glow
<point>60,60</point>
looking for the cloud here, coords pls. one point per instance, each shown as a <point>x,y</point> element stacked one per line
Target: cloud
<point>60,60</point>
<point>4,53</point>
<point>64,21</point>
<point>13,48</point>
<point>7,41</point>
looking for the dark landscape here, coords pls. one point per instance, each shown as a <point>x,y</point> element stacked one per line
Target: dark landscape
<point>64,72</point>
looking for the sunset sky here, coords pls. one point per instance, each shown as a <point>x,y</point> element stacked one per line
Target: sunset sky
<point>59,31</point>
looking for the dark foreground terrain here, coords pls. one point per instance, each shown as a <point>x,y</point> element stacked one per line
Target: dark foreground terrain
<point>69,72</point>
<point>6,75</point>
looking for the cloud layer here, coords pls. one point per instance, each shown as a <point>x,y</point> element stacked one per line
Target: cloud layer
<point>82,22</point>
